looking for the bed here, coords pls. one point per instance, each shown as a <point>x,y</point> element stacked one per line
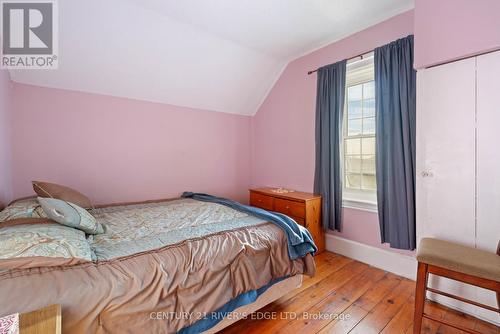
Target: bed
<point>162,267</point>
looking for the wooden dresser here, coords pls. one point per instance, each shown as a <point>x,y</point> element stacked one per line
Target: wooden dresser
<point>304,208</point>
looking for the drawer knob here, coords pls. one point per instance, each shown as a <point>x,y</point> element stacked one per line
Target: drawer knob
<point>287,207</point>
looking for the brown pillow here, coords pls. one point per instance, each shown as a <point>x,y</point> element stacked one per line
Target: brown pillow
<point>52,190</point>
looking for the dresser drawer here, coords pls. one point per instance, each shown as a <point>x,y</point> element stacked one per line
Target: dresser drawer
<point>290,208</point>
<point>261,201</point>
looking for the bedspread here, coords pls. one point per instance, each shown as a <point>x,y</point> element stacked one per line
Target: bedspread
<point>179,265</point>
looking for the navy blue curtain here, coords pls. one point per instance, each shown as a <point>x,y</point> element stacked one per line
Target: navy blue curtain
<point>395,90</point>
<point>329,109</point>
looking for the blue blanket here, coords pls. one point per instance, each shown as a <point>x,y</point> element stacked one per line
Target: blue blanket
<point>300,241</point>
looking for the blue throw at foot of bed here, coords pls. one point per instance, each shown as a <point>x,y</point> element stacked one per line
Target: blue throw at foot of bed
<point>300,241</point>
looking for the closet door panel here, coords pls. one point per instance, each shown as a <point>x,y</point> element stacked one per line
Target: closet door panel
<point>488,163</point>
<point>446,162</point>
<point>488,151</point>
<point>446,152</point>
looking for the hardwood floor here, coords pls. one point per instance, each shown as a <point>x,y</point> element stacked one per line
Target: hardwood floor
<point>366,300</point>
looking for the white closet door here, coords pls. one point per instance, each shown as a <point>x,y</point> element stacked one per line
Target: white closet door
<point>488,162</point>
<point>446,162</point>
<point>488,151</point>
<point>446,152</point>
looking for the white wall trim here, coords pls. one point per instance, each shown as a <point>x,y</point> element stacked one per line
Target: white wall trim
<point>399,264</point>
<point>359,205</point>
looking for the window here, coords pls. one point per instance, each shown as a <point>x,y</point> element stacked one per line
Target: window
<point>359,135</point>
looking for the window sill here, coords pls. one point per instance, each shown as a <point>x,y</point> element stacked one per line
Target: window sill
<point>359,205</point>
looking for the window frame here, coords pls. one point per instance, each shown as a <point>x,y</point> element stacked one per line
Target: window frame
<point>362,199</point>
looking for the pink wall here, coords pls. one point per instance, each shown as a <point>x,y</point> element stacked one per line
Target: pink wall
<point>283,128</point>
<point>116,149</point>
<point>447,30</point>
<point>5,147</point>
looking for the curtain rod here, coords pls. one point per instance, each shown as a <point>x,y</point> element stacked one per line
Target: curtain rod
<point>361,55</point>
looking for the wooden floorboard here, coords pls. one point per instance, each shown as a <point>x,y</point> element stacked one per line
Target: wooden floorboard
<point>347,296</point>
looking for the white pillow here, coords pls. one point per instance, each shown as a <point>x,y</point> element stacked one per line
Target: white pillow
<point>71,215</point>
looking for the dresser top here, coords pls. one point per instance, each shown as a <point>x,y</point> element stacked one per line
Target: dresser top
<point>295,195</point>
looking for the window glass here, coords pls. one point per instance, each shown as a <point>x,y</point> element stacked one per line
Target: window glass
<point>359,131</point>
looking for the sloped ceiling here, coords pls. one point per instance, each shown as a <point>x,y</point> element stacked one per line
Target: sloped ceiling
<point>219,55</point>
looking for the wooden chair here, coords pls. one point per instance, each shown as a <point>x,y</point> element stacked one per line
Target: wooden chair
<point>457,262</point>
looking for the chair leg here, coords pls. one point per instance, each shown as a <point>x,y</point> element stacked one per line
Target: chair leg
<point>420,297</point>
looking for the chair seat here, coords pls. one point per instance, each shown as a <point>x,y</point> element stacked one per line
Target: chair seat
<point>459,258</point>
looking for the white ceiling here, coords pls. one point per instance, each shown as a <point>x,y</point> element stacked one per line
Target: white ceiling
<point>219,55</point>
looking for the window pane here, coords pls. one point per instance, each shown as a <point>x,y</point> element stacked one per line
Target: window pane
<point>368,126</point>
<point>354,93</point>
<point>368,164</point>
<point>369,108</point>
<point>369,90</point>
<point>353,181</point>
<point>354,109</point>
<point>352,146</point>
<point>354,127</point>
<point>369,182</point>
<point>369,145</point>
<point>353,164</point>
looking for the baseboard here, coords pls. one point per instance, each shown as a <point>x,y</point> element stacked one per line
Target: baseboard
<point>399,264</point>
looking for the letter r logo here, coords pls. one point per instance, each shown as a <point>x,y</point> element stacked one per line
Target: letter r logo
<point>27,28</point>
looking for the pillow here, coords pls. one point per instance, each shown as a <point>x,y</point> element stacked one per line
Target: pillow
<point>71,215</point>
<point>44,240</point>
<point>25,208</point>
<point>52,190</point>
